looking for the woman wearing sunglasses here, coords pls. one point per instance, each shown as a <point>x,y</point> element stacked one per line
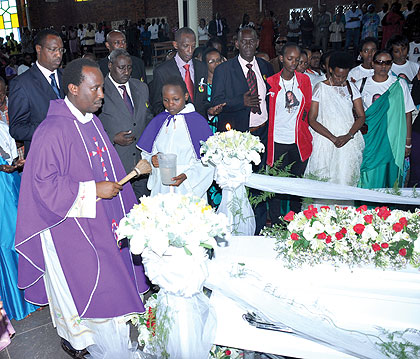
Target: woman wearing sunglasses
<point>388,105</point>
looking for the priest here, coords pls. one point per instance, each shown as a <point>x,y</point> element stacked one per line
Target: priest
<point>67,241</point>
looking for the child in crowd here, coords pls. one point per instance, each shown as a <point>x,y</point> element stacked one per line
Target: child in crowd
<point>368,47</point>
<point>398,46</point>
<point>178,130</point>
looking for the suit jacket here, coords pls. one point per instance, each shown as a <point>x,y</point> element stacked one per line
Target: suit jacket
<point>230,85</point>
<point>138,73</point>
<point>168,69</point>
<point>115,117</point>
<point>29,99</point>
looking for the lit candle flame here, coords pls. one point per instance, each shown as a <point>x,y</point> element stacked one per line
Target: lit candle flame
<point>228,126</point>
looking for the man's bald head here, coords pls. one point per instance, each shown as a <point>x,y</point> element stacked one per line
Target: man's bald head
<point>115,40</point>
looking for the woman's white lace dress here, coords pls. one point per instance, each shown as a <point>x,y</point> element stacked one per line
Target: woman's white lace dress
<point>337,165</point>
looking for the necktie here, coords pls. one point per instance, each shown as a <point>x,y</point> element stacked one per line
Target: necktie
<point>188,82</point>
<point>218,27</point>
<point>127,99</point>
<point>252,84</point>
<point>54,86</point>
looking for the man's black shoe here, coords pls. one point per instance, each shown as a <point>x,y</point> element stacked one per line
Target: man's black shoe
<point>80,354</point>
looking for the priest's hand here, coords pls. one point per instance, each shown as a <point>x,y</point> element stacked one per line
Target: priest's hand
<point>107,189</point>
<point>155,161</point>
<point>124,138</point>
<point>178,179</point>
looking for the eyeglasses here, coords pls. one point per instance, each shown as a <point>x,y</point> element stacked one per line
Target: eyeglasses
<point>61,50</point>
<point>215,61</point>
<point>382,62</point>
<point>119,42</point>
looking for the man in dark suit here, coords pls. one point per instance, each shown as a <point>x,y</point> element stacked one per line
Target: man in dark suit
<point>240,83</point>
<point>219,29</point>
<point>116,40</point>
<point>192,71</point>
<point>125,113</point>
<point>30,93</point>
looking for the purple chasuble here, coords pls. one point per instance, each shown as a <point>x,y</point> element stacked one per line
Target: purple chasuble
<point>103,280</point>
<point>198,128</point>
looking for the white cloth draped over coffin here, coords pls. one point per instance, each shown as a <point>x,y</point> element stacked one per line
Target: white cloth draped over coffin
<point>342,308</point>
<point>317,189</point>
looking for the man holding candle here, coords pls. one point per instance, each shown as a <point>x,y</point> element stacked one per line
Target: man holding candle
<point>241,84</point>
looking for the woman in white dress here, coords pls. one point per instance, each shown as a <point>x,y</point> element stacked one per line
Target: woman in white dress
<point>337,143</point>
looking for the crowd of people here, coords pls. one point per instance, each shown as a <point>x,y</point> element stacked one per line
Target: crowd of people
<point>81,129</point>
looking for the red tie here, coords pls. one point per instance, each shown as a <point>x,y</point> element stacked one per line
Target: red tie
<point>188,82</point>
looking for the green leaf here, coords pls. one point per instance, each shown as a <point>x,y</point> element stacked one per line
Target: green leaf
<point>187,251</point>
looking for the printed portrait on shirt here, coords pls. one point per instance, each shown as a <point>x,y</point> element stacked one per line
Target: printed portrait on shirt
<point>416,51</point>
<point>375,97</point>
<point>291,101</point>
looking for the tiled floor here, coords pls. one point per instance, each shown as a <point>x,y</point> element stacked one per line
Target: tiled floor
<point>35,338</point>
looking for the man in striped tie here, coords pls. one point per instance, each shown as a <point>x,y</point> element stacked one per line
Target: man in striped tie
<point>241,84</point>
<point>30,93</point>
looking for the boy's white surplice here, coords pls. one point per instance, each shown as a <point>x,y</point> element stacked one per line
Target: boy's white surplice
<point>174,137</point>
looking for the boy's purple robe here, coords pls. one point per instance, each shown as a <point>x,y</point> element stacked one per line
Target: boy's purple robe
<point>197,125</point>
<point>102,279</point>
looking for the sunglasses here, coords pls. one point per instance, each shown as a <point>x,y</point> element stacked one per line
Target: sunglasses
<point>381,62</point>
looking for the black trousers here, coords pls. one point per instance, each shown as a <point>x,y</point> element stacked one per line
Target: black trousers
<point>291,155</point>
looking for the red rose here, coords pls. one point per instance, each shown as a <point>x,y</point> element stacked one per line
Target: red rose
<point>362,208</point>
<point>327,208</point>
<point>228,352</point>
<point>310,212</point>
<point>359,228</point>
<point>368,218</point>
<point>345,208</point>
<point>397,227</point>
<point>376,247</point>
<point>383,212</point>
<point>403,252</point>
<point>328,240</point>
<point>321,236</point>
<point>343,231</point>
<point>339,236</point>
<point>294,236</point>
<point>289,216</point>
<point>403,221</point>
<point>384,245</point>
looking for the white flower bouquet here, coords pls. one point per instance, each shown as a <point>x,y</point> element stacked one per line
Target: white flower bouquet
<point>171,219</point>
<point>232,153</point>
<point>231,147</point>
<point>348,235</point>
<point>171,231</point>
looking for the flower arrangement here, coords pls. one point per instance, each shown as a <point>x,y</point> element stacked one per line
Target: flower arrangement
<point>231,147</point>
<point>353,236</point>
<point>152,335</point>
<point>172,220</point>
<point>219,352</point>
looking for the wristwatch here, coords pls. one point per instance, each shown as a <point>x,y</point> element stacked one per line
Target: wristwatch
<point>351,136</point>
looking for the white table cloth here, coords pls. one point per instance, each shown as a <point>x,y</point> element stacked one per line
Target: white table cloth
<point>332,311</point>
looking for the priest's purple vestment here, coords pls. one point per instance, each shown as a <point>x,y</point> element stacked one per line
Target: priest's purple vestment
<point>103,279</point>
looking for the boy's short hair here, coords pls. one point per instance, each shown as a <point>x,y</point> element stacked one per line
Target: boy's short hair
<point>176,81</point>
